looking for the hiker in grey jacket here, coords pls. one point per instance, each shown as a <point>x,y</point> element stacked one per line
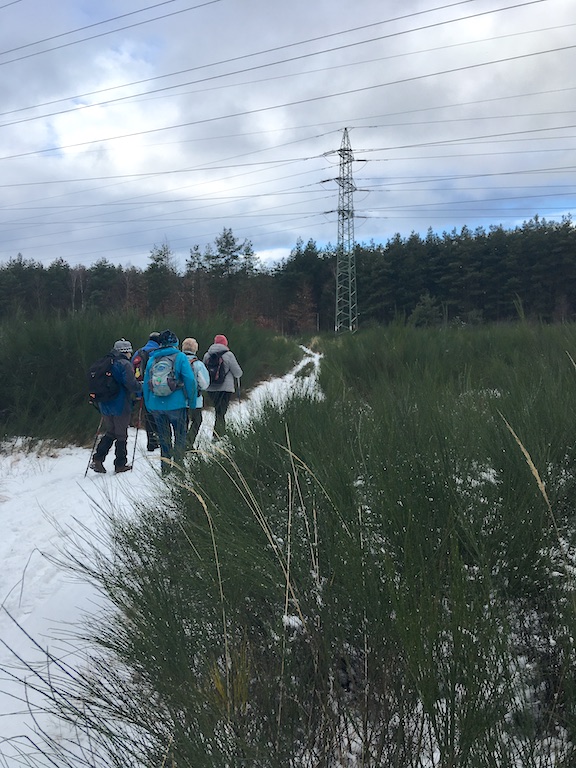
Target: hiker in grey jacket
<point>221,391</point>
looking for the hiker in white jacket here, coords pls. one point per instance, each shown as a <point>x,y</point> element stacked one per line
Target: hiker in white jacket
<point>190,348</point>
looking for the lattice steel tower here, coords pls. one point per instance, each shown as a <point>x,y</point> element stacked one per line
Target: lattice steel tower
<point>346,303</point>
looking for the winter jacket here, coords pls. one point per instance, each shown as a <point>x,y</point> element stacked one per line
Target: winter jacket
<point>181,397</point>
<point>231,367</point>
<point>123,372</point>
<point>201,375</point>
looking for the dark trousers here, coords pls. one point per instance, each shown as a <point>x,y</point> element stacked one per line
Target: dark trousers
<point>221,401</point>
<point>171,426</point>
<point>194,424</point>
<point>151,430</point>
<point>115,431</point>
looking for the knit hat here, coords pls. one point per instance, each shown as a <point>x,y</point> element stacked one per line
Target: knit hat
<point>167,339</point>
<point>154,336</point>
<point>123,346</point>
<point>190,345</point>
<point>220,339</point>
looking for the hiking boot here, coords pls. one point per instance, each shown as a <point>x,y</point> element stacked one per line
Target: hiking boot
<point>97,466</point>
<point>123,468</point>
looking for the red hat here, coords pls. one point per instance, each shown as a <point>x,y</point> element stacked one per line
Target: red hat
<point>220,339</point>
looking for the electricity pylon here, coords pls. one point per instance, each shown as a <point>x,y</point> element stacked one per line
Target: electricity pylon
<point>346,302</point>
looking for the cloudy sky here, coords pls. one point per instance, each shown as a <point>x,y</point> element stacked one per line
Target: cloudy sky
<point>127,124</point>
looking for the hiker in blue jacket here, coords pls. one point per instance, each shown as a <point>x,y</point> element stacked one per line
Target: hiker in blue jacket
<point>116,412</point>
<point>169,410</point>
<point>139,361</point>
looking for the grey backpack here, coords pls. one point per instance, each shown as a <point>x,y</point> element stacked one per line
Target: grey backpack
<point>161,380</point>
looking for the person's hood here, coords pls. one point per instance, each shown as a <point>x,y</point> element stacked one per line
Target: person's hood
<point>150,345</point>
<point>218,348</point>
<point>163,351</point>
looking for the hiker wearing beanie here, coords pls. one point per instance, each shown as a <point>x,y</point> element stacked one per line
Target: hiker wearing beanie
<point>139,362</point>
<point>224,370</point>
<point>116,411</point>
<point>190,349</point>
<point>169,389</point>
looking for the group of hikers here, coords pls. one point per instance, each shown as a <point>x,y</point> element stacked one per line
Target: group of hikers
<point>168,383</point>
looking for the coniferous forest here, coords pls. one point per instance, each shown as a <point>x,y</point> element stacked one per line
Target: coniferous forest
<point>475,276</point>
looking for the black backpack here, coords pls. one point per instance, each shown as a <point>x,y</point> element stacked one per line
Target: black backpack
<point>102,386</point>
<point>216,367</point>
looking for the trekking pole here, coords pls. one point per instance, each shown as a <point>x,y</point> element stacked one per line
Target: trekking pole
<point>137,429</point>
<point>94,444</point>
<point>238,388</point>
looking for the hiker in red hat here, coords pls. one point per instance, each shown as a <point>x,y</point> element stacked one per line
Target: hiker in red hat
<point>224,370</point>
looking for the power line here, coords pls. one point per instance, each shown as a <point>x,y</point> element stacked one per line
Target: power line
<point>147,95</point>
<point>287,161</point>
<point>397,18</point>
<point>261,66</point>
<point>297,102</point>
<point>357,119</point>
<point>81,29</point>
<point>104,34</point>
<point>390,182</point>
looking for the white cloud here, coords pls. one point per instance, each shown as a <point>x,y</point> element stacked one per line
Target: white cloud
<point>227,135</point>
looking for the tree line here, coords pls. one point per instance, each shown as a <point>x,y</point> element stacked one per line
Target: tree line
<point>459,276</point>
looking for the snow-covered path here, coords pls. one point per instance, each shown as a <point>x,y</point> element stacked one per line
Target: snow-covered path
<point>42,498</point>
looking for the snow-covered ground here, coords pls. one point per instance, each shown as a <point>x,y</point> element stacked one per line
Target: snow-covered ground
<point>42,500</point>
